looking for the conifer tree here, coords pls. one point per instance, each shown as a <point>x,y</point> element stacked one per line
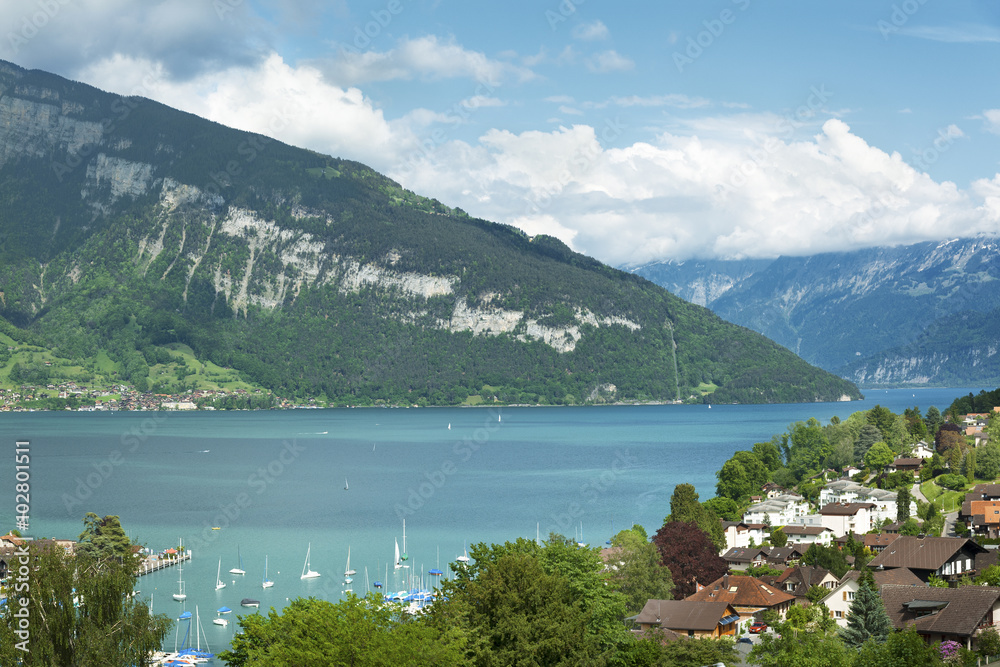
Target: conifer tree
<point>903,499</point>
<point>867,617</point>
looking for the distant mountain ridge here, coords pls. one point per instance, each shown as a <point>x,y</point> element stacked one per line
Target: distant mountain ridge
<point>876,316</point>
<point>128,226</point>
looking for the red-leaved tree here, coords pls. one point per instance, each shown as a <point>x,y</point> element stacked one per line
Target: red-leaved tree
<point>689,554</point>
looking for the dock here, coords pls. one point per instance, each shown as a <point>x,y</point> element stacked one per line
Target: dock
<point>154,563</point>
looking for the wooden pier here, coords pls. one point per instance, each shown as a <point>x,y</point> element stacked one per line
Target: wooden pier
<point>149,565</point>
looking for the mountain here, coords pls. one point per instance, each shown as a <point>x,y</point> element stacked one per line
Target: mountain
<point>922,314</point>
<point>130,228</point>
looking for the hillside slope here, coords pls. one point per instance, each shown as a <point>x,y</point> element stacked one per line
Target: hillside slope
<point>128,225</point>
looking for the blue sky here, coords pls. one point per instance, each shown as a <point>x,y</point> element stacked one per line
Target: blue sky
<point>634,132</point>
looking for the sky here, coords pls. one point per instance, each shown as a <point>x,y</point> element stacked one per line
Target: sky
<point>634,132</point>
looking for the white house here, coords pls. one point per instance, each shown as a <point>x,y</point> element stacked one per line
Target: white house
<point>848,491</point>
<point>922,450</point>
<point>808,535</point>
<point>739,535</point>
<point>844,518</point>
<point>778,511</point>
<point>839,600</point>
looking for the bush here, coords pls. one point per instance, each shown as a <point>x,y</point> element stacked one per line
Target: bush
<point>951,481</point>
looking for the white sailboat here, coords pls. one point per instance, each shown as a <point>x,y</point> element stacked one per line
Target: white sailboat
<point>238,570</point>
<point>348,572</point>
<point>267,582</point>
<point>346,487</point>
<point>396,562</point>
<point>464,558</point>
<point>307,572</point>
<point>403,556</point>
<point>180,595</point>
<point>219,584</point>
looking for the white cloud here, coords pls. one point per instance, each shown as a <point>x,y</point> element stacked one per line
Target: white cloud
<point>425,58</point>
<point>592,31</point>
<point>992,117</point>
<point>675,100</point>
<point>609,61</point>
<point>758,192</point>
<point>570,110</point>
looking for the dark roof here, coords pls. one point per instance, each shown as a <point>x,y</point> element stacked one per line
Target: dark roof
<point>803,530</point>
<point>742,592</point>
<point>983,491</point>
<point>991,557</point>
<point>685,614</point>
<point>907,462</point>
<point>880,539</point>
<point>803,577</point>
<point>923,553</point>
<point>785,554</point>
<point>744,554</point>
<point>844,509</point>
<point>962,611</point>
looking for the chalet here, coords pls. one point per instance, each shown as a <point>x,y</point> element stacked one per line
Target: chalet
<point>982,517</point>
<point>747,595</point>
<point>785,556</point>
<point>689,618</point>
<point>772,490</point>
<point>942,614</point>
<point>806,535</point>
<point>944,557</point>
<point>911,465</point>
<point>798,580</point>
<point>876,542</point>
<point>839,600</point>
<point>742,558</point>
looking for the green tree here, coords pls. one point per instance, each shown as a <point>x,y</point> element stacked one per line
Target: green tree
<point>933,420</point>
<point>990,576</point>
<point>903,500</point>
<point>866,619</point>
<point>353,631</point>
<point>788,645</point>
<point>743,475</point>
<point>879,456</point>
<point>809,447</point>
<point>698,652</point>
<point>684,507</point>
<point>637,572</point>
<point>830,558</point>
<point>816,593</point>
<point>867,437</point>
<point>905,648</point>
<point>769,454</point>
<point>969,466</point>
<point>988,460</point>
<point>778,537</point>
<point>103,537</point>
<point>989,643</point>
<point>724,508</point>
<point>81,611</point>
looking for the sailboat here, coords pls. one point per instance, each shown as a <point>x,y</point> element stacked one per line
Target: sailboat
<point>348,572</point>
<point>464,558</point>
<point>404,556</point>
<point>238,570</point>
<point>267,582</point>
<point>219,584</point>
<point>180,595</point>
<point>307,572</point>
<point>397,563</point>
<point>345,484</point>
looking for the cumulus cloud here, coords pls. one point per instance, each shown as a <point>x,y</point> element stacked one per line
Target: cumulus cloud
<point>992,117</point>
<point>759,193</point>
<point>591,31</point>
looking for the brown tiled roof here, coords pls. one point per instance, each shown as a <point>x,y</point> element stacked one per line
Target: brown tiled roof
<point>966,606</point>
<point>741,591</point>
<point>784,554</point>
<point>684,614</point>
<point>923,553</point>
<point>803,530</point>
<point>844,509</point>
<point>804,577</point>
<point>907,462</point>
<point>743,554</point>
<point>897,576</point>
<point>985,491</point>
<point>991,557</point>
<point>880,539</point>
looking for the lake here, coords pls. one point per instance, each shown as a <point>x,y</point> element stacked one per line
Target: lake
<point>277,482</point>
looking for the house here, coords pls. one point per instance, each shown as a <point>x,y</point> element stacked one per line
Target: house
<point>777,511</point>
<point>844,518</point>
<point>876,542</point>
<point>798,580</point>
<point>806,535</point>
<point>922,450</point>
<point>911,465</point>
<point>983,517</point>
<point>980,438</point>
<point>942,614</point>
<point>689,618</point>
<point>742,535</point>
<point>772,490</point>
<point>839,600</point>
<point>784,556</point>
<point>747,595</point>
<point>848,491</point>
<point>981,492</point>
<point>742,558</point>
<point>944,557</point>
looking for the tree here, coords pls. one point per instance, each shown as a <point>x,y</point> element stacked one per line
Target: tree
<point>353,631</point>
<point>969,465</point>
<point>949,436</point>
<point>816,593</point>
<point>111,627</point>
<point>769,454</point>
<point>684,506</point>
<point>868,436</point>
<point>915,423</point>
<point>689,554</point>
<point>788,645</point>
<point>866,619</point>
<point>933,420</point>
<point>698,652</point>
<point>830,558</point>
<point>809,447</point>
<point>638,572</point>
<point>724,508</point>
<point>903,500</point>
<point>988,460</point>
<point>103,538</point>
<point>743,475</point>
<point>905,648</point>
<point>879,456</point>
<point>989,643</point>
<point>778,538</point>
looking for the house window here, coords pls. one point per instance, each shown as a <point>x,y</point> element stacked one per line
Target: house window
<point>838,614</point>
<point>849,596</point>
<point>690,633</point>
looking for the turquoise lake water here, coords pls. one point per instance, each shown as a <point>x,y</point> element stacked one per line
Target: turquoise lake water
<point>274,482</point>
